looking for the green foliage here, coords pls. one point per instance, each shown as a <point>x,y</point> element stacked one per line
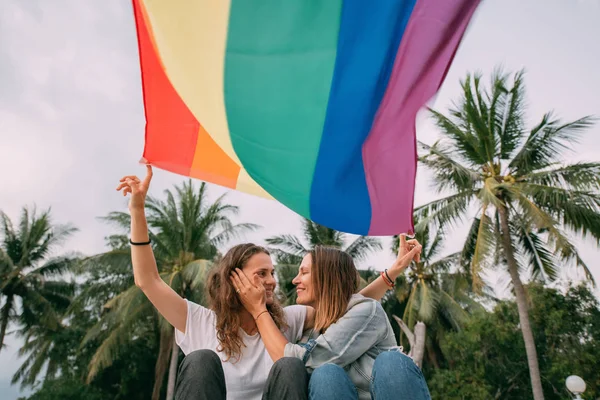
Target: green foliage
<point>486,358</point>
<point>29,275</point>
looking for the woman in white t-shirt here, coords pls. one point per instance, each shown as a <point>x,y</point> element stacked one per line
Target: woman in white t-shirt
<point>225,355</point>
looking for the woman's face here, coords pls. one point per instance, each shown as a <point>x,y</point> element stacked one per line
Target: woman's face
<point>261,265</point>
<point>303,282</point>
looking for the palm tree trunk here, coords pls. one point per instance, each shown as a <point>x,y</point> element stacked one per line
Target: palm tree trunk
<point>4,319</point>
<point>173,370</point>
<point>419,331</point>
<point>532,360</point>
<point>406,330</point>
<point>433,357</point>
<point>161,363</point>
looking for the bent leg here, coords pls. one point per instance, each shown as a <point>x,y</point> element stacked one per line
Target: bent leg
<point>288,380</point>
<point>201,377</point>
<point>396,376</point>
<point>329,382</point>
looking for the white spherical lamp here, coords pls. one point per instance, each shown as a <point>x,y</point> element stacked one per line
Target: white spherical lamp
<point>575,384</point>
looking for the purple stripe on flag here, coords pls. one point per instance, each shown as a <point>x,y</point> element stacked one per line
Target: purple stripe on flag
<point>430,41</point>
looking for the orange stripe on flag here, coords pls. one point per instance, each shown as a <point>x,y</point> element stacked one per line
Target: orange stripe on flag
<point>212,164</point>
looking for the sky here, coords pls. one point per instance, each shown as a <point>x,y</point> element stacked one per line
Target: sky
<point>72,119</point>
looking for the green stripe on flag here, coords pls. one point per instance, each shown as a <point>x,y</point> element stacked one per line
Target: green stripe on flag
<point>279,64</point>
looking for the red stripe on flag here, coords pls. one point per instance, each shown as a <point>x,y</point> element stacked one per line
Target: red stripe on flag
<point>171,129</point>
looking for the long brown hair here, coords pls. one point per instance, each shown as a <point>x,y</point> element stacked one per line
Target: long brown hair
<point>334,279</point>
<point>224,301</point>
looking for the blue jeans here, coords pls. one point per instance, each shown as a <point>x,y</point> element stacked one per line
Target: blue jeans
<point>395,376</point>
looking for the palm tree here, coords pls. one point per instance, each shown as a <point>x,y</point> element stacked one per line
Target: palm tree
<point>435,291</point>
<point>526,196</point>
<point>28,272</point>
<point>186,232</point>
<point>289,250</point>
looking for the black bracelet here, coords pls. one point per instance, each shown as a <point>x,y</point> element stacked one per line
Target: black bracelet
<point>140,243</point>
<point>390,279</point>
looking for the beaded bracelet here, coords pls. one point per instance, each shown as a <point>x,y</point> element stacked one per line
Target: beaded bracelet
<point>386,279</point>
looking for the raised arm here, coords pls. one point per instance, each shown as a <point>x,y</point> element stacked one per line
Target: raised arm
<point>407,251</point>
<point>145,272</point>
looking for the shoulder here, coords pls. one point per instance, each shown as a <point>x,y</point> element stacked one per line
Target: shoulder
<point>294,313</point>
<point>197,312</point>
<point>295,317</point>
<point>294,310</point>
<point>364,306</point>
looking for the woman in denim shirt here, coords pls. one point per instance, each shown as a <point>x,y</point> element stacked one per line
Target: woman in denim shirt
<point>351,352</point>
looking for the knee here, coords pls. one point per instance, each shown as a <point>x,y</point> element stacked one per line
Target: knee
<point>330,381</point>
<point>392,363</point>
<point>200,358</point>
<point>326,373</point>
<point>290,365</point>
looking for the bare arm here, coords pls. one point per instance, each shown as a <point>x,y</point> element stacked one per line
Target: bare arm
<point>407,251</point>
<point>145,272</point>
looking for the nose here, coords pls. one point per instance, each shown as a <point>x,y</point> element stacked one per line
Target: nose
<point>271,281</point>
<point>296,280</point>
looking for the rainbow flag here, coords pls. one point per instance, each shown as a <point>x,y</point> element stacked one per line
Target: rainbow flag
<point>310,102</point>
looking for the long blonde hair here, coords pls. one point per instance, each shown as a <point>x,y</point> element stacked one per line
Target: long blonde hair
<point>334,279</point>
<point>225,303</point>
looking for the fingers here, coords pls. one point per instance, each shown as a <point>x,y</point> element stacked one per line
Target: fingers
<point>256,280</point>
<point>402,241</point>
<point>131,177</point>
<point>237,283</point>
<point>149,175</point>
<point>243,278</point>
<point>415,253</point>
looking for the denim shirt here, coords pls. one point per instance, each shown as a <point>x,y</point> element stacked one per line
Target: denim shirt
<point>353,343</point>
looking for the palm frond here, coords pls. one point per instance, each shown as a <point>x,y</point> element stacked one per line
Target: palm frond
<point>483,246</point>
<point>466,143</point>
<point>428,302</point>
<point>445,211</point>
<point>512,115</point>
<point>539,257</point>
<point>232,232</point>
<point>577,210</point>
<point>56,267</point>
<point>287,248</point>
<point>120,219</point>
<point>583,176</point>
<point>360,248</point>
<point>449,173</point>
<point>547,143</point>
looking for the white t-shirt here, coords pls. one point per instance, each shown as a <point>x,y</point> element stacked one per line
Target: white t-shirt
<point>245,378</point>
